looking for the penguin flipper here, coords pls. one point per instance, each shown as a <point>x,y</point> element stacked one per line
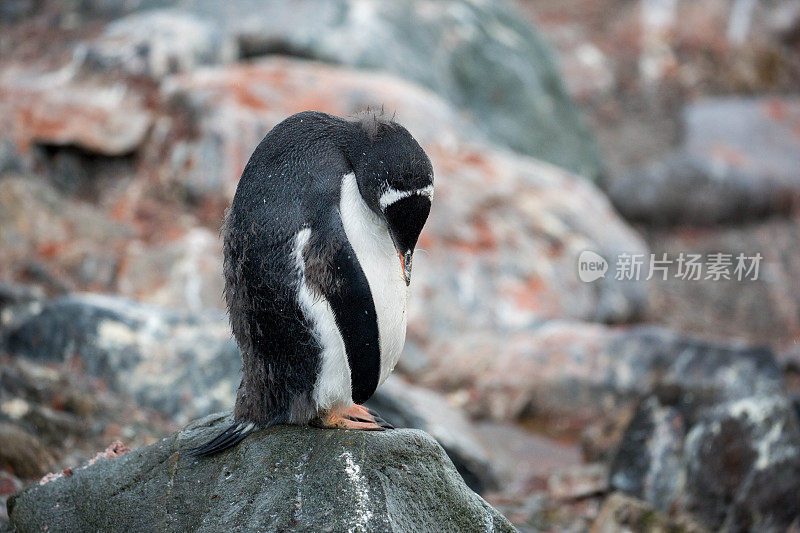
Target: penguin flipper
<point>227,439</point>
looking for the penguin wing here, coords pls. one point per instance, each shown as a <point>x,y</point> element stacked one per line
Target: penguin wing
<point>333,271</point>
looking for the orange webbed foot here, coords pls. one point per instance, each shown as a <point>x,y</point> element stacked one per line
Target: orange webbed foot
<point>355,417</point>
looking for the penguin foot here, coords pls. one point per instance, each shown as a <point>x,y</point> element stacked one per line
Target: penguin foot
<point>365,414</point>
<point>342,421</point>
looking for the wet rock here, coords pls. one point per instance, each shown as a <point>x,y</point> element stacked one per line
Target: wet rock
<point>623,513</point>
<point>316,479</point>
<point>478,46</point>
<point>739,160</point>
<point>407,406</point>
<point>158,42</point>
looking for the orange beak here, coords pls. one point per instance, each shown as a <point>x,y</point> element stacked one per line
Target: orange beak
<point>405,262</point>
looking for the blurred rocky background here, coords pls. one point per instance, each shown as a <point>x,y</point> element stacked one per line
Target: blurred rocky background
<point>619,126</point>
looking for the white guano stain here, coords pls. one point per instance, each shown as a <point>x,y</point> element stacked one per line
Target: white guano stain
<point>362,513</point>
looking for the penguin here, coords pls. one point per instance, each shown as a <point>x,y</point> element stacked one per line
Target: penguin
<point>318,249</point>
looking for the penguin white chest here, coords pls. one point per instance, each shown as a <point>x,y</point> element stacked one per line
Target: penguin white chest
<point>370,239</point>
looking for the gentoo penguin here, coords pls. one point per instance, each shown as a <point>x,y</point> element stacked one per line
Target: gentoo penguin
<point>318,247</point>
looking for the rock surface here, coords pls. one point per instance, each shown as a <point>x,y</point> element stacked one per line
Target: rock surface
<point>179,364</point>
<point>569,373</point>
<point>739,160</point>
<point>623,513</point>
<point>477,46</point>
<point>765,310</point>
<point>229,109</point>
<point>735,465</point>
<point>277,479</point>
<point>158,42</point>
<point>59,108</point>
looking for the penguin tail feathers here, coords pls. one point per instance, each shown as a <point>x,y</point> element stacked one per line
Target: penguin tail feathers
<point>227,439</point>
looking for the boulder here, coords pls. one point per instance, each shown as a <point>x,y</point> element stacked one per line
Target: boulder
<point>509,256</point>
<point>648,462</point>
<point>743,465</point>
<point>223,112</point>
<point>515,248</point>
<point>156,43</point>
<point>739,160</point>
<point>570,373</point>
<point>180,364</point>
<point>478,47</point>
<point>764,310</point>
<point>408,406</point>
<point>734,465</point>
<point>99,115</point>
<point>187,364</point>
<point>277,479</point>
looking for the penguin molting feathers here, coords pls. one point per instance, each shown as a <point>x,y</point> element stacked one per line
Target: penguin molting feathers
<point>318,249</point>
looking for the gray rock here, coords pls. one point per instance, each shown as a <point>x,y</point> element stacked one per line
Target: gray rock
<point>158,42</point>
<point>765,310</point>
<point>649,460</point>
<point>283,478</point>
<point>734,465</point>
<point>179,364</point>
<point>482,56</point>
<point>9,158</point>
<point>743,465</point>
<point>740,159</point>
<point>407,406</point>
<point>570,373</point>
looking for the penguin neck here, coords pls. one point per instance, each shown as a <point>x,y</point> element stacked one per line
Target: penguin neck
<point>376,254</point>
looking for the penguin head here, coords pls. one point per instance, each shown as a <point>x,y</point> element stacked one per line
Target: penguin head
<point>395,178</point>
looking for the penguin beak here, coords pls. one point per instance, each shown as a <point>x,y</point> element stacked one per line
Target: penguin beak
<point>405,262</point>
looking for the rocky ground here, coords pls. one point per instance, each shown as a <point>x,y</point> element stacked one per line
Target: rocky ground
<point>124,127</point>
